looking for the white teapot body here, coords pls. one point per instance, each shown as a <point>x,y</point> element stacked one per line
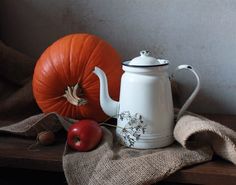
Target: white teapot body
<point>145,113</point>
<point>146,108</point>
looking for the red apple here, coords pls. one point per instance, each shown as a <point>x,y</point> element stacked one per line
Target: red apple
<point>84,135</point>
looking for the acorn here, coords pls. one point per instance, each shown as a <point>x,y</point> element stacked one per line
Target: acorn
<point>46,138</point>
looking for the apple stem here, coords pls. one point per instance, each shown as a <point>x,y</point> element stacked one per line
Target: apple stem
<point>107,124</point>
<point>108,119</point>
<point>110,125</point>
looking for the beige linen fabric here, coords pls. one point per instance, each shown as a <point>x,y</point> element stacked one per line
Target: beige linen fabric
<point>113,164</point>
<point>33,125</point>
<point>192,131</point>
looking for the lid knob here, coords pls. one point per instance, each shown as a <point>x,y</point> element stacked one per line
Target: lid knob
<point>146,60</point>
<point>144,53</point>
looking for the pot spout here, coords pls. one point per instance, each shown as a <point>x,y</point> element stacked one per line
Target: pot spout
<point>109,106</point>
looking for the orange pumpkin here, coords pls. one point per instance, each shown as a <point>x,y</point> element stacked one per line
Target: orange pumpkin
<point>64,81</point>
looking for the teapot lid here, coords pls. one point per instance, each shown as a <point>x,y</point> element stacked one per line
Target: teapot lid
<point>146,60</point>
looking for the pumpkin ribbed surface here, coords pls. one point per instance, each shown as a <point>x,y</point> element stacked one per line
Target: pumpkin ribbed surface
<point>70,61</point>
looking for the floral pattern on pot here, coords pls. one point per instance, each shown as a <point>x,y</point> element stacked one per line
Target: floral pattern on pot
<point>133,129</point>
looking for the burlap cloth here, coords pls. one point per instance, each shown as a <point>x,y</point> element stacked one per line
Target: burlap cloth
<point>197,138</point>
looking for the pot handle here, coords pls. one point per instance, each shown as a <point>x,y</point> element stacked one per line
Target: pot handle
<point>194,93</point>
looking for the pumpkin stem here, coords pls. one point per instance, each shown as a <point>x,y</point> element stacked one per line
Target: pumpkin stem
<point>71,96</point>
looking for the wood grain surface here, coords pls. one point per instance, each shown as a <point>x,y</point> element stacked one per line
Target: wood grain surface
<point>15,152</point>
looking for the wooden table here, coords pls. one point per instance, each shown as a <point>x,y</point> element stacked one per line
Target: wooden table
<point>15,153</point>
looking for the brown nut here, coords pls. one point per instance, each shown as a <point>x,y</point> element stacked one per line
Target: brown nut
<point>46,137</point>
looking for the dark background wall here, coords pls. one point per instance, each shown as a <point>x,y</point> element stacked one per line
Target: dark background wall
<point>200,33</point>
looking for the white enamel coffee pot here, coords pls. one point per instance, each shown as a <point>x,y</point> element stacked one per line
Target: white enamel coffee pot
<point>145,113</point>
